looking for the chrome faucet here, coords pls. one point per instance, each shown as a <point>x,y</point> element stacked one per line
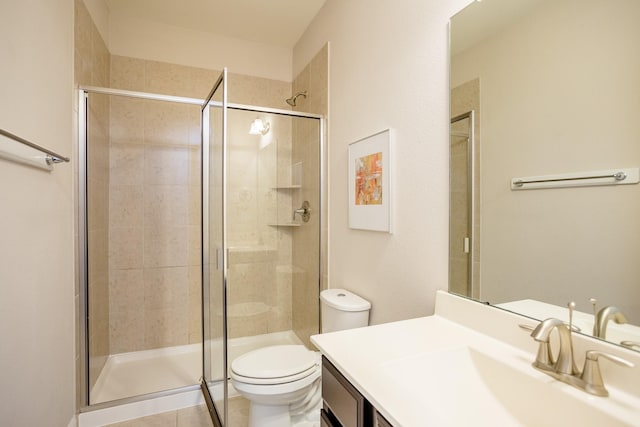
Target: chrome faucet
<point>563,368</point>
<point>602,319</point>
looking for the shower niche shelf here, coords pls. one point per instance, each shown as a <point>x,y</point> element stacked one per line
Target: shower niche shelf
<point>287,187</point>
<point>295,179</point>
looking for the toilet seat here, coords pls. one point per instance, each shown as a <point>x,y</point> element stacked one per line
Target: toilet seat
<point>275,365</point>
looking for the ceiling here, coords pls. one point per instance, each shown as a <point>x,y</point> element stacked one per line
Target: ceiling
<point>275,22</point>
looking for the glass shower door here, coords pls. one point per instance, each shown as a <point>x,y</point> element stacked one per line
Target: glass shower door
<point>214,328</point>
<point>462,223</point>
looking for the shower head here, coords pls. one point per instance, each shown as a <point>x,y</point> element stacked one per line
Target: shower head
<point>292,101</point>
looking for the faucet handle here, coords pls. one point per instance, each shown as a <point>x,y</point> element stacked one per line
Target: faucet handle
<point>591,373</point>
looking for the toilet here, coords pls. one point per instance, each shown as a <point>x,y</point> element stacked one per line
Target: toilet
<point>282,382</point>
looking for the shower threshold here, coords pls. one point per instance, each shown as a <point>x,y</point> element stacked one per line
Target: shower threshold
<point>149,371</point>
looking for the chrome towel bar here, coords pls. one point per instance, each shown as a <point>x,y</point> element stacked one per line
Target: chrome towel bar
<point>580,179</point>
<point>51,158</point>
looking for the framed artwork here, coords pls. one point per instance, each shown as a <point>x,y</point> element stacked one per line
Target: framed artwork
<point>370,178</point>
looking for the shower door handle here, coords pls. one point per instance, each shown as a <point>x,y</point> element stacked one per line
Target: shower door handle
<point>304,211</point>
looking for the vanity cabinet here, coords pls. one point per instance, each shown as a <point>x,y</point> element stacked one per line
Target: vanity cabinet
<point>343,405</point>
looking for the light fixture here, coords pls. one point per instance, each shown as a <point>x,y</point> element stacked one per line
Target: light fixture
<point>258,127</point>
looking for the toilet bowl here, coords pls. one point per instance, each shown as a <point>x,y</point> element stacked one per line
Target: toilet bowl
<point>281,382</point>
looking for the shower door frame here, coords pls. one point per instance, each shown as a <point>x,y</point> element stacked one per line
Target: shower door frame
<point>472,290</point>
<point>222,253</point>
<point>82,232</point>
<point>221,257</point>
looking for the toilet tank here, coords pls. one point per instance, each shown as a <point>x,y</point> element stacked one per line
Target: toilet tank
<point>342,309</point>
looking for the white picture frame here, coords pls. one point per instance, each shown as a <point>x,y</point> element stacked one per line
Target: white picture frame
<point>370,179</point>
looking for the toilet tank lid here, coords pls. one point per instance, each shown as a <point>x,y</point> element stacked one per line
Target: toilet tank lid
<point>344,300</point>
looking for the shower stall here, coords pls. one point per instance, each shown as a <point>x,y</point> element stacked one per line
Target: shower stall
<point>199,239</point>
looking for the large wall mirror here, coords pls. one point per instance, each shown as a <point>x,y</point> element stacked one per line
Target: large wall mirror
<point>548,88</point>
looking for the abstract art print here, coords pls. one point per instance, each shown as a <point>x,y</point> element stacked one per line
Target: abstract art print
<point>370,182</point>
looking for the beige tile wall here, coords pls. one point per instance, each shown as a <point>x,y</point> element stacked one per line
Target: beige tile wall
<point>155,210</point>
<point>306,245</point>
<point>92,68</point>
<point>154,240</point>
<point>259,266</point>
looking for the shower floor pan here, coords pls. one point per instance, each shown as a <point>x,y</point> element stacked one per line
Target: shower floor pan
<point>149,371</point>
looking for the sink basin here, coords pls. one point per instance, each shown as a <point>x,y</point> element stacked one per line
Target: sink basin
<point>463,386</point>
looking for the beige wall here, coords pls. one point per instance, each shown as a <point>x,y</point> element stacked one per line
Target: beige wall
<point>99,12</point>
<point>143,39</point>
<point>140,38</point>
<point>401,84</point>
<point>36,219</point>
<point>560,244</point>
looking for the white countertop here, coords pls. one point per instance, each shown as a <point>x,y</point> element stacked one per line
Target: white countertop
<point>360,353</point>
<point>372,359</point>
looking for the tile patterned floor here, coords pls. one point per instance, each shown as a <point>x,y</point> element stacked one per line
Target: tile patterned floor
<point>196,416</point>
<point>238,412</point>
